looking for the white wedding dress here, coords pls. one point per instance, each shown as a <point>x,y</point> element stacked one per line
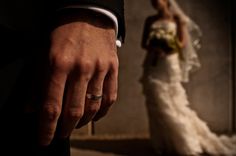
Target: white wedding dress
<point>174,126</point>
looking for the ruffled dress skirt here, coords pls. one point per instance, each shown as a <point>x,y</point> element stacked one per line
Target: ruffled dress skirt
<point>174,127</point>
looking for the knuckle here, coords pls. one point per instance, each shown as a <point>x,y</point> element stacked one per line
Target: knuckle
<point>52,112</point>
<point>61,62</point>
<point>101,67</point>
<point>85,67</point>
<point>111,99</point>
<point>114,66</point>
<point>93,109</point>
<point>75,115</point>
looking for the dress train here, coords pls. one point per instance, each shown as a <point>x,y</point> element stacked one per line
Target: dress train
<point>174,126</point>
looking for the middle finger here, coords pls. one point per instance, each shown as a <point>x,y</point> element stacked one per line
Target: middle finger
<point>93,98</point>
<point>74,104</point>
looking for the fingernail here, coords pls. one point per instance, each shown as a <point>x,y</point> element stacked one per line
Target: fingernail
<point>44,142</point>
<point>63,135</point>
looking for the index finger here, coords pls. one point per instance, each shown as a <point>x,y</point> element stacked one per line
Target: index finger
<point>51,107</point>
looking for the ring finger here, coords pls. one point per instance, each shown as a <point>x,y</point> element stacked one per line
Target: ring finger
<point>93,98</point>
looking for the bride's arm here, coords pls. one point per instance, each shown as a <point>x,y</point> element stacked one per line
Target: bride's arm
<point>181,31</point>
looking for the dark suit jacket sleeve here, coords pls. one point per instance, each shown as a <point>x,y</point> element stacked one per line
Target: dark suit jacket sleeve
<point>115,6</point>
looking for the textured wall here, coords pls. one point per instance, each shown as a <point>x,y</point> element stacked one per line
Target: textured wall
<point>233,30</point>
<point>210,87</point>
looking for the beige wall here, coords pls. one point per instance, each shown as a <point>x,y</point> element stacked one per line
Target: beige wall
<point>210,89</point>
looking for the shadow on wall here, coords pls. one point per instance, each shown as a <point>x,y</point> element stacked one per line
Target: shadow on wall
<point>127,147</point>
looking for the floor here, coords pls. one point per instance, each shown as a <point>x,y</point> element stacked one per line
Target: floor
<point>111,147</point>
<point>100,146</point>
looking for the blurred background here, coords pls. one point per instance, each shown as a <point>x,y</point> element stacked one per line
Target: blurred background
<point>211,90</point>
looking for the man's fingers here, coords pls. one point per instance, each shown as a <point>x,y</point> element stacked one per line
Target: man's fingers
<point>101,113</point>
<point>93,98</point>
<point>110,88</point>
<point>51,107</point>
<point>74,104</point>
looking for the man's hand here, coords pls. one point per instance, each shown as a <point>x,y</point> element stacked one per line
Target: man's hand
<point>82,60</point>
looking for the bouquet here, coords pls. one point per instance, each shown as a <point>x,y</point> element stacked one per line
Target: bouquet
<point>164,40</point>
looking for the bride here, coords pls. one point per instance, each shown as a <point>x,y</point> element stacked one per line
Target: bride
<point>171,40</point>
